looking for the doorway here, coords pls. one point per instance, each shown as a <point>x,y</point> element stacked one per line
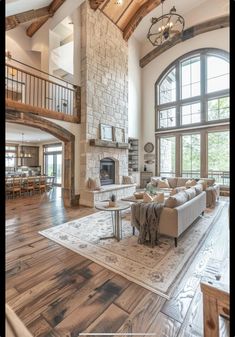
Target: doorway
<point>53,162</point>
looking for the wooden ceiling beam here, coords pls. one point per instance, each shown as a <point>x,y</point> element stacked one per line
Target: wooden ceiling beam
<point>94,4</point>
<point>14,20</point>
<point>36,25</point>
<point>138,16</point>
<point>52,8</point>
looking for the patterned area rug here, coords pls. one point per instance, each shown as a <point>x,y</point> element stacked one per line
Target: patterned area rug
<point>154,268</point>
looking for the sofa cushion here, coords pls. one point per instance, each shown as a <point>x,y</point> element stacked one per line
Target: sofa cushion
<point>163,183</point>
<point>190,183</point>
<point>198,188</point>
<point>172,182</point>
<point>176,200</point>
<point>191,193</point>
<point>181,181</point>
<point>177,190</point>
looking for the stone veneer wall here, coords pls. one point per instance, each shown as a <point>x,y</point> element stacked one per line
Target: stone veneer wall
<point>104,91</point>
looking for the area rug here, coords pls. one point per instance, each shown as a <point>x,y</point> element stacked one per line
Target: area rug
<point>156,269</point>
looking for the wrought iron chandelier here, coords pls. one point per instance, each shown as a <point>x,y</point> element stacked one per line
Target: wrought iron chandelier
<point>165,27</point>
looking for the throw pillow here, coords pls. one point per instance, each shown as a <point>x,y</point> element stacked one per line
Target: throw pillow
<point>181,181</point>
<point>191,193</point>
<point>190,183</point>
<point>147,197</point>
<point>177,190</point>
<point>94,184</point>
<point>176,200</point>
<point>159,197</point>
<point>204,184</point>
<point>128,180</point>
<point>163,183</point>
<point>172,182</point>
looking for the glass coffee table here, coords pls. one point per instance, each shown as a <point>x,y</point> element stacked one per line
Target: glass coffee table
<point>117,223</point>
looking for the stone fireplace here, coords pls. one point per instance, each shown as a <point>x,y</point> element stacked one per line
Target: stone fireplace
<point>107,171</point>
<point>104,99</point>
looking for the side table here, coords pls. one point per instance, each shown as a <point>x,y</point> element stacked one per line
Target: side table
<point>120,206</point>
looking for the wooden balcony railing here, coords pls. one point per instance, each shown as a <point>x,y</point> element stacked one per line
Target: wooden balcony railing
<point>38,89</point>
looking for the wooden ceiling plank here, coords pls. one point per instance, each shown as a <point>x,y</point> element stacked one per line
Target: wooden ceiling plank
<point>124,11</point>
<point>113,11</point>
<point>94,4</point>
<point>102,7</point>
<point>134,6</point>
<point>138,16</point>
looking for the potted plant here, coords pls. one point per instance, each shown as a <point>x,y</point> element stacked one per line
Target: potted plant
<point>112,201</point>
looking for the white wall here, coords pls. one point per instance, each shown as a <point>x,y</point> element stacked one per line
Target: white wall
<point>40,40</point>
<point>215,39</point>
<point>19,44</point>
<point>134,89</point>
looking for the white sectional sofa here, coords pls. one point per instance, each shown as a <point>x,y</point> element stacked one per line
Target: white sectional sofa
<point>179,211</point>
<point>209,186</point>
<point>174,221</point>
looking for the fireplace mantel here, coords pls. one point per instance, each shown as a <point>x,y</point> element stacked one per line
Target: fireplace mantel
<point>107,143</point>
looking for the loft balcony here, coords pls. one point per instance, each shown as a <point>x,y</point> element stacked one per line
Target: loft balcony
<point>28,89</point>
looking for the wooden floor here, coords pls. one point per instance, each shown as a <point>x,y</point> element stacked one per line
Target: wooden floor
<point>59,293</point>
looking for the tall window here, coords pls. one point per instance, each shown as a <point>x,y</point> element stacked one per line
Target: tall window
<point>191,155</point>
<point>167,156</point>
<point>194,91</point>
<point>192,116</point>
<point>218,156</point>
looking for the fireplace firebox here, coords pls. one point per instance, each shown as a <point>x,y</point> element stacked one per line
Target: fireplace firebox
<point>107,171</point>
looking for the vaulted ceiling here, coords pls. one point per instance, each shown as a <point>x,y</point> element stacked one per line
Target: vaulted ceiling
<point>126,15</point>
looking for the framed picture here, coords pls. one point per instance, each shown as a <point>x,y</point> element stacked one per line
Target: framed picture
<point>106,132</point>
<point>119,135</point>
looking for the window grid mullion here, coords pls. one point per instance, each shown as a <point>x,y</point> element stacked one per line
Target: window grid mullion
<point>204,105</point>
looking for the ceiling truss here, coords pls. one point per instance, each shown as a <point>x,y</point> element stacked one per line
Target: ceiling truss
<point>37,17</point>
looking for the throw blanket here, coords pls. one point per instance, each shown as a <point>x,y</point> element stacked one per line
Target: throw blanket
<point>145,217</point>
<point>211,197</point>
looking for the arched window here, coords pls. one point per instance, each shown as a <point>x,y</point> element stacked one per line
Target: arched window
<point>193,90</point>
<point>192,116</point>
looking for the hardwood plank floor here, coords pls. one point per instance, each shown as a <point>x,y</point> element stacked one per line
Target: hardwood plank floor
<point>57,292</point>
